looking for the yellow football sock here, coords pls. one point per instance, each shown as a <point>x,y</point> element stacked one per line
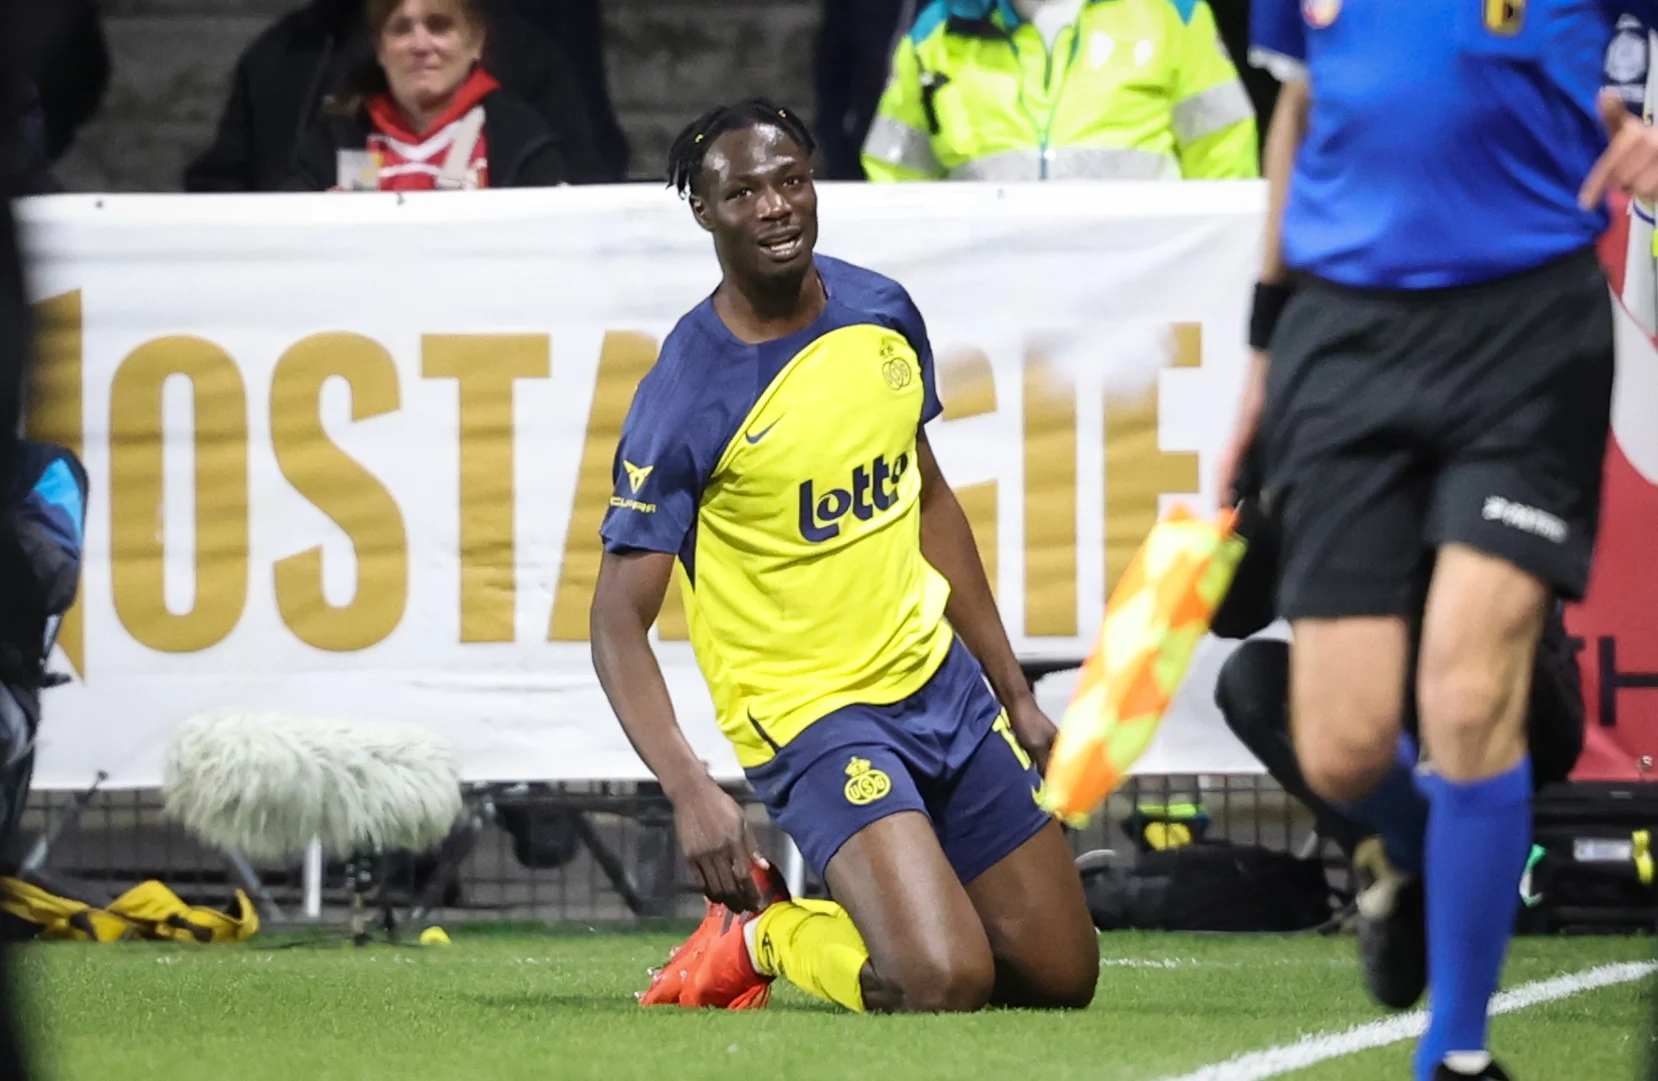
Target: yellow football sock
<point>814,946</point>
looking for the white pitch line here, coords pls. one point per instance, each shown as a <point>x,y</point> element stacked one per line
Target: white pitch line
<point>1276,1061</point>
<point>1172,963</point>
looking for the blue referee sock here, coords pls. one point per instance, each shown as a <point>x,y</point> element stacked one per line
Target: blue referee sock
<point>1479,834</point>
<point>1398,810</point>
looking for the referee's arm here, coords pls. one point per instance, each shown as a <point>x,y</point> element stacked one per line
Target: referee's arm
<point>1284,134</point>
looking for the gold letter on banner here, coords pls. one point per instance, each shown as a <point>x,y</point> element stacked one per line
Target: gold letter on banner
<point>623,360</point>
<point>485,366</point>
<point>1137,470</point>
<point>136,491</point>
<point>341,488</point>
<point>967,388</point>
<point>54,416</point>
<point>1050,502</point>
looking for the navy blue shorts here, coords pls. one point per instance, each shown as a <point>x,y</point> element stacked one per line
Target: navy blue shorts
<point>946,751</point>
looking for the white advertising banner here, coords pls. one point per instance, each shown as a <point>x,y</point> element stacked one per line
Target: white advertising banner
<point>349,453</point>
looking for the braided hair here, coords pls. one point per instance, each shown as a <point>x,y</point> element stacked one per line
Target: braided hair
<point>691,146</point>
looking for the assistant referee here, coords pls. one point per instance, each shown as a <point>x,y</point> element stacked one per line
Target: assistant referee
<point>1440,378</point>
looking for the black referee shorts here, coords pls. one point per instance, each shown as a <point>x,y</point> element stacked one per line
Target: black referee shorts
<point>1397,422</point>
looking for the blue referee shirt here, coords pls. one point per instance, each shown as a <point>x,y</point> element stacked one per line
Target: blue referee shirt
<point>1447,139</point>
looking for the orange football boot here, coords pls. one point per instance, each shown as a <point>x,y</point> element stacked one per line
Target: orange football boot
<point>668,982</point>
<point>723,975</point>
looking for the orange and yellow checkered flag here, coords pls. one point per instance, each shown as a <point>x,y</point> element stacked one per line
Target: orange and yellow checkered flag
<point>1161,608</point>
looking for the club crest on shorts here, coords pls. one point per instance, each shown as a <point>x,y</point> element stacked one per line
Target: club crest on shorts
<point>1320,13</point>
<point>1505,18</point>
<point>865,783</point>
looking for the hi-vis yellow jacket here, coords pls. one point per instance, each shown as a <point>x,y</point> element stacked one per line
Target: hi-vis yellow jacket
<point>1134,90</point>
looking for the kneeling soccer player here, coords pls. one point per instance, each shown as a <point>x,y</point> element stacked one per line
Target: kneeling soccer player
<point>841,616</point>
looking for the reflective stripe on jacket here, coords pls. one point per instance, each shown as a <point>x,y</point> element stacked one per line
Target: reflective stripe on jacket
<point>1134,89</point>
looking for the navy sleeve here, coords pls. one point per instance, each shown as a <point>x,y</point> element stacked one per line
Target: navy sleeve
<point>914,328</point>
<point>660,468</point>
<point>1278,38</point>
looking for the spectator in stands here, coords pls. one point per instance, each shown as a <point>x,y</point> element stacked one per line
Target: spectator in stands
<point>69,66</point>
<point>23,151</point>
<point>279,82</point>
<point>426,113</point>
<point>578,27</point>
<point>1063,89</point>
<point>855,41</point>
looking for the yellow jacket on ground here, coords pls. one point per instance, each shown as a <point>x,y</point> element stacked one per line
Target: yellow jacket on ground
<point>1132,89</point>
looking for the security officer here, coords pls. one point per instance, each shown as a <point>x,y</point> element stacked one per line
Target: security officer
<point>1005,90</point>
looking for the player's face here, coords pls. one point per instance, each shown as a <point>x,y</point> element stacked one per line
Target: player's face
<point>759,202</point>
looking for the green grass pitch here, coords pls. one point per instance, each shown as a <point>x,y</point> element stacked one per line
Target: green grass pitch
<point>507,1005</point>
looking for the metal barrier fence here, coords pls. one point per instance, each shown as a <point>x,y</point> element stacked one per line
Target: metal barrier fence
<point>598,853</point>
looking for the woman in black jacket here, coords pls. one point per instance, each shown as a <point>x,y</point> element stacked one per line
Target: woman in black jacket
<point>426,113</point>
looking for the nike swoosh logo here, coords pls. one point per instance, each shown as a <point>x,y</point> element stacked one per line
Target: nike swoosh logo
<point>753,438</point>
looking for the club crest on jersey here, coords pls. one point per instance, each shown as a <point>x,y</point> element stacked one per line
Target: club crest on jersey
<point>864,783</point>
<point>894,368</point>
<point>1320,13</point>
<point>872,489</point>
<point>1505,18</point>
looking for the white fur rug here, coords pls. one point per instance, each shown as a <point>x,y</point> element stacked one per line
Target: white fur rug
<point>268,784</point>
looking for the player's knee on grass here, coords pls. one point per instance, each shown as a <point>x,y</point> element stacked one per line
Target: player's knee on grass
<point>1035,916</point>
<point>931,979</point>
<point>1048,960</point>
<point>1067,983</point>
<point>1474,675</point>
<point>1074,989</point>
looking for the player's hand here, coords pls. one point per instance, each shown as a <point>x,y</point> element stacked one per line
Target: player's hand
<point>1243,429</point>
<point>1033,730</point>
<point>1630,163</point>
<point>716,840</point>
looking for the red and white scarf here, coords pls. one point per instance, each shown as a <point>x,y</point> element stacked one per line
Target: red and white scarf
<point>416,161</point>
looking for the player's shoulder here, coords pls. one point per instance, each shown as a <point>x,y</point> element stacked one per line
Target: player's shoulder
<point>679,378</point>
<point>700,387</point>
<point>867,291</point>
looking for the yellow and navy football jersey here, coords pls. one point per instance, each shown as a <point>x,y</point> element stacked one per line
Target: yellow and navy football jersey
<point>784,477</point>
